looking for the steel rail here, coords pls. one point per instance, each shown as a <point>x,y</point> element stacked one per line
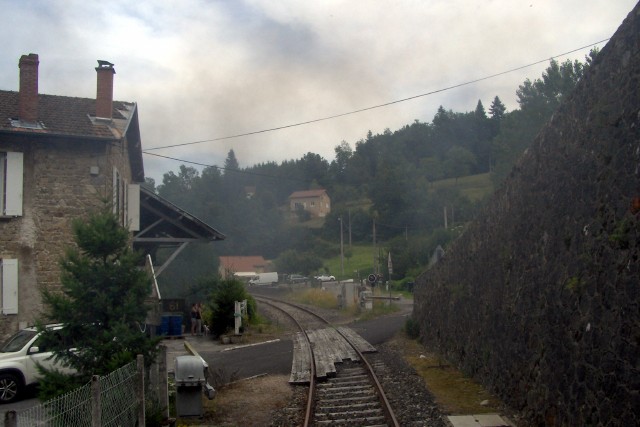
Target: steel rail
<point>312,368</point>
<point>390,415</point>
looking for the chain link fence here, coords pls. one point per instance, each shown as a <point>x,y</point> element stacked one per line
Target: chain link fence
<point>113,400</point>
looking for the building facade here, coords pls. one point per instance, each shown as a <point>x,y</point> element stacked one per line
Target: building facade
<point>316,202</point>
<point>60,158</point>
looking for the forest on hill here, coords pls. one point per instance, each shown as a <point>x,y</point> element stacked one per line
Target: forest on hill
<point>389,179</point>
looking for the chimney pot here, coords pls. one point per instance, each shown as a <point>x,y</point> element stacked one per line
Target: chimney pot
<point>28,95</point>
<point>104,95</point>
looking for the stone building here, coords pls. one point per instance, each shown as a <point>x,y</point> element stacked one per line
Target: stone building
<point>316,202</point>
<point>60,158</point>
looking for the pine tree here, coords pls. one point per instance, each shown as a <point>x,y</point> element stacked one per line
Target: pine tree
<point>100,304</point>
<point>497,109</point>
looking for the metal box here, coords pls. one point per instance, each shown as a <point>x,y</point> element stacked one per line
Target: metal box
<point>190,378</point>
<point>189,371</point>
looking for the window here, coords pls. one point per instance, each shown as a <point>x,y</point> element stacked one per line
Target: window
<point>11,183</point>
<point>9,285</point>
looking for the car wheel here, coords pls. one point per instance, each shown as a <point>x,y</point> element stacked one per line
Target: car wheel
<point>10,388</point>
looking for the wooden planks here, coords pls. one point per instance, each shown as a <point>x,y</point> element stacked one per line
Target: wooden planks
<point>300,365</point>
<point>329,348</point>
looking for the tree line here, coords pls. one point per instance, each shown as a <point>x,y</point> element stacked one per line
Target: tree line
<point>386,178</point>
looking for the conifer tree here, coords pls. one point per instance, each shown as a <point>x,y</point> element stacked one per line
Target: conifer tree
<point>100,304</point>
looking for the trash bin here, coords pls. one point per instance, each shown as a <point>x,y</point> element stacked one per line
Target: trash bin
<point>189,378</point>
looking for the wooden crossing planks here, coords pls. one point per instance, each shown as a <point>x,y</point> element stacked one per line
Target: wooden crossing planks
<point>362,344</point>
<point>300,365</point>
<point>329,348</point>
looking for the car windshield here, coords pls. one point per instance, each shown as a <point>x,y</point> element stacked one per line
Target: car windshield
<point>17,341</point>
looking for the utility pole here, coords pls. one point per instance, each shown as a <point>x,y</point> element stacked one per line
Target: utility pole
<point>341,248</point>
<point>374,247</point>
<point>445,217</point>
<point>349,227</point>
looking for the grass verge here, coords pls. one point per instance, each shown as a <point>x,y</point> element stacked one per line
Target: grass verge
<point>455,393</point>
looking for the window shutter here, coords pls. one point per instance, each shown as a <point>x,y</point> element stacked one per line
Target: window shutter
<point>9,269</point>
<point>116,192</point>
<point>133,207</point>
<point>13,197</point>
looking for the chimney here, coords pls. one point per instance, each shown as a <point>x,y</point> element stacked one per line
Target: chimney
<point>104,95</point>
<point>28,96</point>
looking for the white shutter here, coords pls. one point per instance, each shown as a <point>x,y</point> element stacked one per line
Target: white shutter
<point>133,207</point>
<point>116,192</point>
<point>9,269</point>
<point>13,197</point>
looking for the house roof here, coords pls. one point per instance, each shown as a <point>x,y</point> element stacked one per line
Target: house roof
<point>242,263</point>
<point>72,117</point>
<point>307,193</point>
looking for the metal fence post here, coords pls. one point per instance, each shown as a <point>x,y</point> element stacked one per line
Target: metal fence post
<point>140,389</point>
<point>96,404</point>
<point>163,386</point>
<point>10,419</point>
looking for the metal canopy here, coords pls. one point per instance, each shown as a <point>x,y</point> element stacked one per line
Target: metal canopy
<point>164,225</point>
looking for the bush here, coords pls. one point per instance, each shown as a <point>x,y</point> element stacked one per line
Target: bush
<point>412,328</point>
<point>221,304</point>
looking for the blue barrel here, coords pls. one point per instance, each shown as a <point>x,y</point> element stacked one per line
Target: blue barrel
<point>164,325</point>
<point>175,325</point>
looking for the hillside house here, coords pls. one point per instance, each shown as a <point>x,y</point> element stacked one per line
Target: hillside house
<point>242,266</point>
<point>60,158</point>
<point>316,202</point>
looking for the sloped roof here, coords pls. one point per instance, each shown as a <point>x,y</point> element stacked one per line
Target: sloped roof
<point>162,222</point>
<point>75,118</point>
<point>307,193</point>
<point>242,263</point>
<point>64,115</point>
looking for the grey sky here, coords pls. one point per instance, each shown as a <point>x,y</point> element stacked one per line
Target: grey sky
<point>209,69</point>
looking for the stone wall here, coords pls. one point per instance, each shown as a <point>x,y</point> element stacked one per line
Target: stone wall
<point>58,187</point>
<point>540,297</point>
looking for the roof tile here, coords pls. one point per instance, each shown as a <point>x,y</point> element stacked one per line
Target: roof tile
<point>62,115</point>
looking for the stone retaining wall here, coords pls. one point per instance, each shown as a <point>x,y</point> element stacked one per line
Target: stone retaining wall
<point>540,298</point>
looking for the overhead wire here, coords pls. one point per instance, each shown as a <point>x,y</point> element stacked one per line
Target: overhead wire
<point>264,175</point>
<point>386,104</point>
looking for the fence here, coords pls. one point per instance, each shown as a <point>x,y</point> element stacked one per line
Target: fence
<point>114,400</point>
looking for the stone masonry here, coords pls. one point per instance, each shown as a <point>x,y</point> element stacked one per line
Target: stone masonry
<point>540,297</point>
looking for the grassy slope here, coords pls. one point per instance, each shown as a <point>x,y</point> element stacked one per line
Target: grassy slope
<point>360,261</point>
<point>475,187</point>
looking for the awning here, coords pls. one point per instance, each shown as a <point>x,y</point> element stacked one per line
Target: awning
<point>164,225</point>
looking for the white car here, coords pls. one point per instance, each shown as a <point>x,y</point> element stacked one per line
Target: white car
<point>326,278</point>
<point>19,356</point>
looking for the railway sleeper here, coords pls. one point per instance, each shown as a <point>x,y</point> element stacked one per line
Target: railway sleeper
<point>322,408</point>
<point>369,398</point>
<point>352,371</point>
<point>333,391</point>
<point>349,416</point>
<point>360,422</point>
<point>344,382</point>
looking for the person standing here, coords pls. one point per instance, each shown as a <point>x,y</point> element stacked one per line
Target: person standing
<point>199,319</point>
<point>194,318</point>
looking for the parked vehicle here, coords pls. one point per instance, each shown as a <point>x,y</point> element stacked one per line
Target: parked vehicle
<point>264,279</point>
<point>19,357</point>
<point>325,278</point>
<point>297,278</point>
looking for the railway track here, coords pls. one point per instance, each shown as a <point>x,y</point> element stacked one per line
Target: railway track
<point>343,388</point>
